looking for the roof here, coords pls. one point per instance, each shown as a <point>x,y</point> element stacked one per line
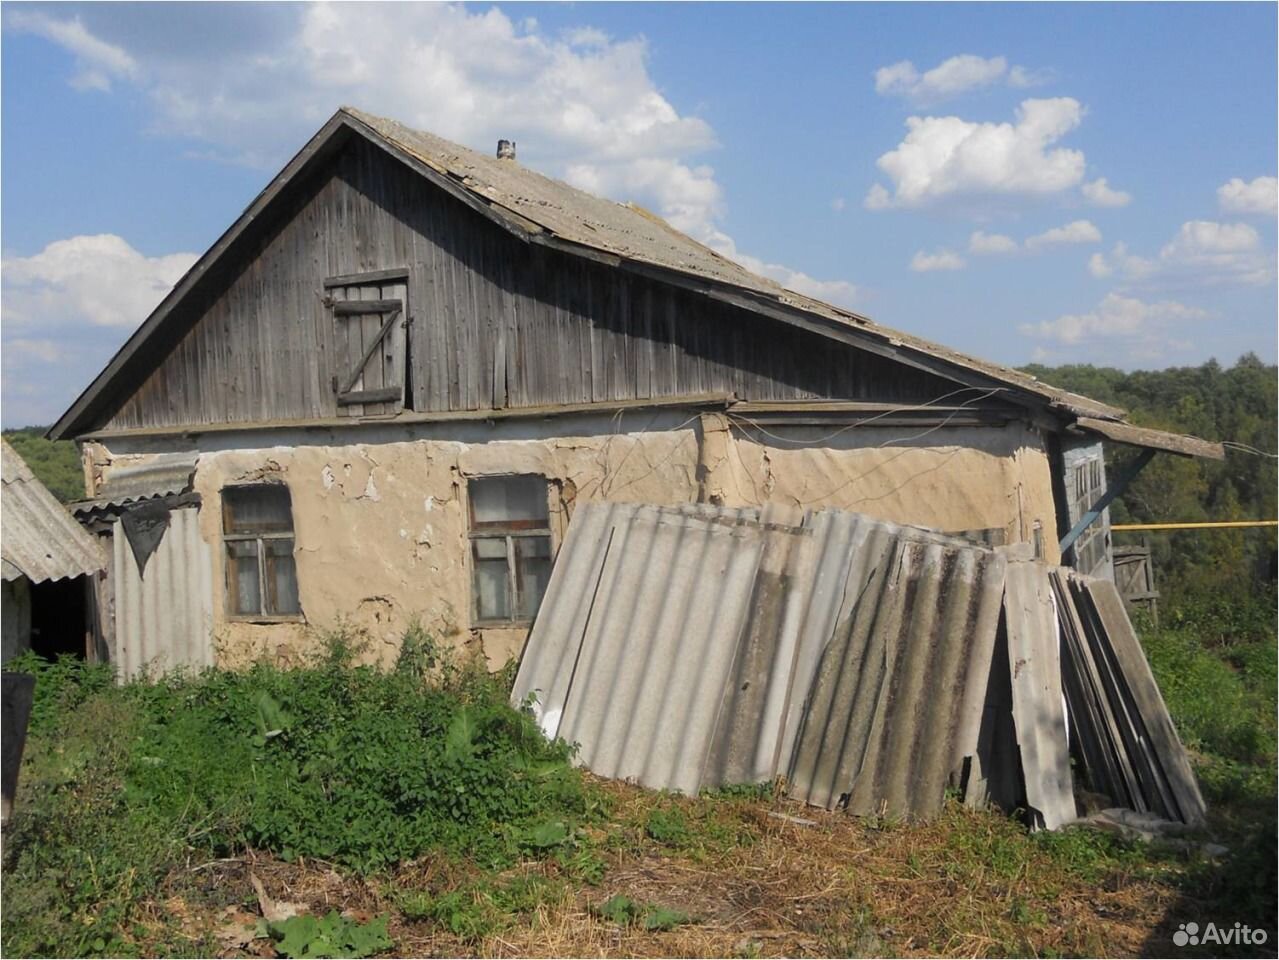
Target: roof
<point>38,537</point>
<point>125,482</point>
<point>539,209</point>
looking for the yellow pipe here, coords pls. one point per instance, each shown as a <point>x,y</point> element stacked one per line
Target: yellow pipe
<point>1194,526</point>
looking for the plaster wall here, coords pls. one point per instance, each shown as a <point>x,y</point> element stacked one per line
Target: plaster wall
<point>380,513</point>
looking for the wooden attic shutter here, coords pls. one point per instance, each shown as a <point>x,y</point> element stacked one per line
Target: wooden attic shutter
<point>370,317</point>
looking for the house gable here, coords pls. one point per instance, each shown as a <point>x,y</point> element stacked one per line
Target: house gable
<point>491,321</point>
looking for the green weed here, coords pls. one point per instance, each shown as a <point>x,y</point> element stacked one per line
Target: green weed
<point>333,935</point>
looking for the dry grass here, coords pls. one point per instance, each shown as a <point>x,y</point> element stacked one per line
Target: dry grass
<point>969,884</point>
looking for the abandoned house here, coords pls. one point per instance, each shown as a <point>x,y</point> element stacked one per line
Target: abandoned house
<point>51,568</point>
<point>381,394</point>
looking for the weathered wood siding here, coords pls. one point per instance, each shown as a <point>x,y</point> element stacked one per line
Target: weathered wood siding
<point>494,323</point>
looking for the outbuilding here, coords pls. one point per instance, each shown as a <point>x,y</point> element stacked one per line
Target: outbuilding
<point>50,566</point>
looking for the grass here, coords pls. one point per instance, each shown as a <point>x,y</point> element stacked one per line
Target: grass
<point>147,812</point>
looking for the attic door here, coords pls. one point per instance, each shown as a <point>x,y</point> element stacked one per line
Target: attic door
<point>370,318</point>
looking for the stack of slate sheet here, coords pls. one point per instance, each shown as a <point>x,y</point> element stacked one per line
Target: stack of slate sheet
<point>1129,747</point>
<point>871,665</point>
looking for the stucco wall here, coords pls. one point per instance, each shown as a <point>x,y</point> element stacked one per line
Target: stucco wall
<point>381,526</point>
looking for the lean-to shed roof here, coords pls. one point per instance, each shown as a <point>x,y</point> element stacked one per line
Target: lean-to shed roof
<point>38,537</point>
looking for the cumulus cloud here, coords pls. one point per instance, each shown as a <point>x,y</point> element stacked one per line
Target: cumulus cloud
<point>943,157</point>
<point>97,63</point>
<point>1116,318</point>
<point>1201,253</point>
<point>100,280</point>
<point>923,262</point>
<point>67,309</point>
<point>581,105</point>
<point>951,78</point>
<point>1099,194</point>
<point>987,244</point>
<point>1077,231</point>
<point>1260,196</point>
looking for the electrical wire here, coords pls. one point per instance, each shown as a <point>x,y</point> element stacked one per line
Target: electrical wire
<point>1246,448</point>
<point>862,423</point>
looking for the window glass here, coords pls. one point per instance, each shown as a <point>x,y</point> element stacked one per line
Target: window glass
<point>257,524</point>
<point>242,576</point>
<point>515,501</point>
<point>281,578</point>
<point>492,580</point>
<point>532,572</point>
<point>511,546</point>
<point>257,509</point>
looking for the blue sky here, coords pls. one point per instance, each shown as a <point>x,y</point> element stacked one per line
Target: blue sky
<point>1061,183</point>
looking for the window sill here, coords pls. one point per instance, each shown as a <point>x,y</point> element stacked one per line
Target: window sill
<point>502,625</point>
<point>257,618</point>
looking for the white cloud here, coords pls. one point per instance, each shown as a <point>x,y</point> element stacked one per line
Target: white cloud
<point>97,62</point>
<point>838,204</point>
<point>948,156</point>
<point>1116,318</point>
<point>99,280</point>
<point>1260,196</point>
<point>1201,253</point>
<point>950,78</point>
<point>1120,261</point>
<point>1099,193</point>
<point>986,244</point>
<point>1077,231</point>
<point>580,104</point>
<point>1218,252</point>
<point>923,262</point>
<point>66,311</point>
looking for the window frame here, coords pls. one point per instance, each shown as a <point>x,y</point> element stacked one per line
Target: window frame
<point>260,538</point>
<point>509,533</point>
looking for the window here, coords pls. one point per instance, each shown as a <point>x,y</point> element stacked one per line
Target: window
<point>1090,549</point>
<point>257,528</point>
<point>510,547</point>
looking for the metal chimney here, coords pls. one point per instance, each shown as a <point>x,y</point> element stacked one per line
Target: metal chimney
<point>506,149</point>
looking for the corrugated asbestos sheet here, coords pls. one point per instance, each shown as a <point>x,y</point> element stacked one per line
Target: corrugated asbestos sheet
<point>162,475</point>
<point>1039,711</point>
<point>39,539</point>
<point>1130,748</point>
<point>691,647</point>
<point>165,619</point>
<point>872,665</point>
<point>896,704</point>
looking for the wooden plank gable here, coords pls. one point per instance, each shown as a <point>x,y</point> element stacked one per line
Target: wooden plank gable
<point>487,322</point>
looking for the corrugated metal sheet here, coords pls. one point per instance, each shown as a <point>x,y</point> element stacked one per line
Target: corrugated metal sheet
<point>165,619</point>
<point>38,538</point>
<point>692,647</point>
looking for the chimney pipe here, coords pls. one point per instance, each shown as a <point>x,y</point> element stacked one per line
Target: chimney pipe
<point>506,149</point>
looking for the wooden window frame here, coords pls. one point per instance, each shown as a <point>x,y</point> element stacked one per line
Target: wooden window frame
<point>509,533</point>
<point>260,538</point>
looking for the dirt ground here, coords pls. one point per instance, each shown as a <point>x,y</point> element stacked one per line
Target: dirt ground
<point>751,883</point>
